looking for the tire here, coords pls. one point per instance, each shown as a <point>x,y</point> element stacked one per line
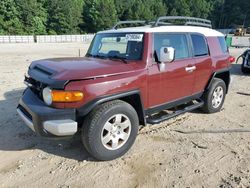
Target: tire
<point>110,130</point>
<point>212,104</point>
<point>244,69</point>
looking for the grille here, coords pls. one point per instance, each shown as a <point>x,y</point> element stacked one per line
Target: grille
<point>36,86</point>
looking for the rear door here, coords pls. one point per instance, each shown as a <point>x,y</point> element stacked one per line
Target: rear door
<point>177,80</point>
<point>202,60</point>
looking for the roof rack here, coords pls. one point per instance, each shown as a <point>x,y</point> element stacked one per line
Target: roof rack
<point>192,21</point>
<point>171,20</point>
<point>129,22</point>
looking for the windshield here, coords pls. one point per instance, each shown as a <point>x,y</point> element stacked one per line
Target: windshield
<point>126,46</point>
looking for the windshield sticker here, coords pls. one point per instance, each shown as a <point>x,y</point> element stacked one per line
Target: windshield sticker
<point>134,37</point>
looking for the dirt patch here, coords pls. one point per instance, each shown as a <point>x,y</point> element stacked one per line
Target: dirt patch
<point>10,168</point>
<point>208,151</point>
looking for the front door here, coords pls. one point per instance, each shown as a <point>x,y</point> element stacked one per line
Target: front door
<point>177,80</point>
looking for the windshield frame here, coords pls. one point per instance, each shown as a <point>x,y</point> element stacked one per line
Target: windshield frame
<point>88,54</point>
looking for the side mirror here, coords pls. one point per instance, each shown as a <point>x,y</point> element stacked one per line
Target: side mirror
<point>167,54</point>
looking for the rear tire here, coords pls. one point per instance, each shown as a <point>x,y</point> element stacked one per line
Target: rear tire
<point>214,97</point>
<point>110,130</point>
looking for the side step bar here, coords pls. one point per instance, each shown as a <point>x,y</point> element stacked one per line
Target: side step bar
<point>153,120</point>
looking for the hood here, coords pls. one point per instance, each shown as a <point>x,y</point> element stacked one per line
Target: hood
<point>82,68</point>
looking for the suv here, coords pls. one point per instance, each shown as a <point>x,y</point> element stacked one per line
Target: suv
<point>128,76</point>
<point>245,66</point>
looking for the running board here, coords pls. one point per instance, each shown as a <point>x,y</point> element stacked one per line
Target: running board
<point>155,120</point>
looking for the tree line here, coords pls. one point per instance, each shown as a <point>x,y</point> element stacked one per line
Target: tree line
<point>35,17</point>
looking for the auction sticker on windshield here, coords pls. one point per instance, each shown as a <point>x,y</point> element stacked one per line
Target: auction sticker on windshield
<point>134,37</point>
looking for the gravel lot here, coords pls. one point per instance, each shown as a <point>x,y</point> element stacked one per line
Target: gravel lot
<point>212,150</point>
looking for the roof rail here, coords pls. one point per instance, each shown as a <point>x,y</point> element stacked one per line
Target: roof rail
<point>171,20</point>
<point>129,22</point>
<point>187,21</point>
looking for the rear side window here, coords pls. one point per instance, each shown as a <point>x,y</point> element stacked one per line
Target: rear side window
<point>177,41</point>
<point>200,45</point>
<point>223,44</point>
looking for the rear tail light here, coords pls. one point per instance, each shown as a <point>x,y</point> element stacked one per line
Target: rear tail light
<point>231,59</point>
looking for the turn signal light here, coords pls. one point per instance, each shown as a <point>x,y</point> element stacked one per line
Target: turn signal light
<point>66,96</point>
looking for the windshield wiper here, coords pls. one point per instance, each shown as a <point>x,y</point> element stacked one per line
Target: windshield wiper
<point>115,57</point>
<point>88,55</point>
<point>95,56</point>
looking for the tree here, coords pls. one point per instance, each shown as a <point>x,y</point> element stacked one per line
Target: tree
<point>216,9</point>
<point>98,15</point>
<point>235,12</point>
<point>64,17</point>
<point>9,18</point>
<point>178,8</point>
<point>200,8</point>
<point>32,15</point>
<point>79,16</point>
<point>230,13</point>
<point>140,9</point>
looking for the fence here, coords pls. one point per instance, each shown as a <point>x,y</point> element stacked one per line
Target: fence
<point>17,39</point>
<point>64,38</point>
<point>47,39</point>
<point>240,42</point>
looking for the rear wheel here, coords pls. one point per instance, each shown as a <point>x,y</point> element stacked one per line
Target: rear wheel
<point>214,97</point>
<point>110,130</point>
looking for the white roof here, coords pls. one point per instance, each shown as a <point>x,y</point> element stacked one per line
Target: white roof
<point>168,29</point>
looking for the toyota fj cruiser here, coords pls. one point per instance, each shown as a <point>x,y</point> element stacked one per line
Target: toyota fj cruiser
<point>127,77</point>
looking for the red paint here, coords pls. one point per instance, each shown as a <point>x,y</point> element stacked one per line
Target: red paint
<point>111,77</point>
<point>171,84</point>
<point>231,59</point>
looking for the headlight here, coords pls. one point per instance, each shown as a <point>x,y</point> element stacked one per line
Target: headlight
<point>50,96</point>
<point>47,96</point>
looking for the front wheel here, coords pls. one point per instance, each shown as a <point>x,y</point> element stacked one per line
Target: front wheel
<point>110,130</point>
<point>214,97</point>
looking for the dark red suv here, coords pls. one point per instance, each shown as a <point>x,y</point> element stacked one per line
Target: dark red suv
<point>128,76</point>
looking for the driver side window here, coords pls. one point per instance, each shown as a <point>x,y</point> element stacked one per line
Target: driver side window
<point>177,41</point>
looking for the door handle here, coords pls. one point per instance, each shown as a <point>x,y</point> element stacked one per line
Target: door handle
<point>190,69</point>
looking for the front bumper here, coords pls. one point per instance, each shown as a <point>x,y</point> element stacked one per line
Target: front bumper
<point>44,120</point>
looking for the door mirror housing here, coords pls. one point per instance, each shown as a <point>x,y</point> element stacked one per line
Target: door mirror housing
<point>167,54</point>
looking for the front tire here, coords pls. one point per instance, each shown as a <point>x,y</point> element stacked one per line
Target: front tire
<point>110,130</point>
<point>214,97</point>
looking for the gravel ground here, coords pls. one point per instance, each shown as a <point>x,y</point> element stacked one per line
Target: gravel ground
<point>192,150</point>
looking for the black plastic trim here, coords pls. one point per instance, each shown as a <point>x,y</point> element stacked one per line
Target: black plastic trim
<point>40,112</point>
<point>214,75</point>
<point>172,104</point>
<point>152,120</point>
<point>85,109</point>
